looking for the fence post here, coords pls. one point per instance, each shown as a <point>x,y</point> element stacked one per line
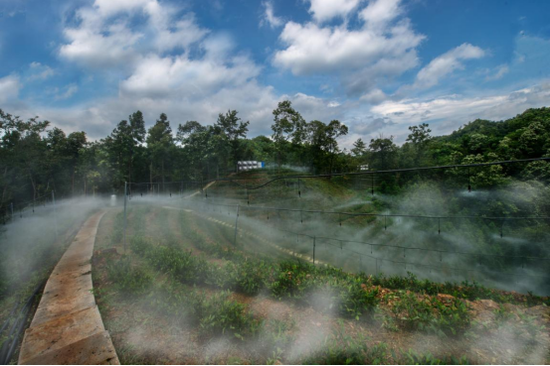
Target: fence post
<point>313,250</point>
<point>125,217</point>
<point>236,226</point>
<point>54,212</point>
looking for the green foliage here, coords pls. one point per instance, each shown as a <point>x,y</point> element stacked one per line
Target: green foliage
<point>327,289</point>
<point>464,290</point>
<point>250,276</point>
<point>430,313</point>
<point>128,278</point>
<point>345,350</point>
<point>219,314</point>
<point>3,283</point>
<point>213,314</point>
<point>171,260</point>
<point>413,358</point>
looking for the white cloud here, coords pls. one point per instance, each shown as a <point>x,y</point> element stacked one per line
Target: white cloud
<point>95,44</point>
<point>380,12</point>
<point>499,73</point>
<point>268,17</point>
<point>39,71</point>
<point>9,88</point>
<point>110,7</point>
<point>69,91</point>
<point>186,84</point>
<point>323,10</point>
<point>104,37</point>
<point>450,112</point>
<point>445,64</point>
<point>375,96</point>
<point>382,48</point>
<point>158,77</point>
<point>169,32</point>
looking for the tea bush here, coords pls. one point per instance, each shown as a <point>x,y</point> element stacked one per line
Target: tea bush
<point>413,358</point>
<point>127,278</point>
<point>345,350</point>
<point>430,313</point>
<point>219,314</point>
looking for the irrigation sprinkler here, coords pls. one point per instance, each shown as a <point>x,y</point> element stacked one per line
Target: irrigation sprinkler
<point>125,217</point>
<point>236,226</point>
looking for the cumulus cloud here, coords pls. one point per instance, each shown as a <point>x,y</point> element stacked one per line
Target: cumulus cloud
<point>445,64</point>
<point>323,10</point>
<point>382,47</point>
<point>105,38</point>
<point>379,13</point>
<point>95,44</point>
<point>162,73</point>
<point>268,17</point>
<point>158,77</point>
<point>9,88</point>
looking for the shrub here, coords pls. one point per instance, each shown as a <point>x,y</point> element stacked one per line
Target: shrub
<point>218,313</point>
<point>355,298</point>
<point>181,264</point>
<point>430,313</point>
<point>413,358</point>
<point>127,278</point>
<point>251,276</point>
<point>348,351</point>
<point>293,279</point>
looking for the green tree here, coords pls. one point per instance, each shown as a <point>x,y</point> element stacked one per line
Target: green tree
<point>123,144</point>
<point>159,145</point>
<point>359,148</point>
<point>288,126</point>
<point>323,141</point>
<point>383,152</point>
<point>234,129</point>
<point>419,138</point>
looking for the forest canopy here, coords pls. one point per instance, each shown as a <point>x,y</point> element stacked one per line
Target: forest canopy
<point>36,158</point>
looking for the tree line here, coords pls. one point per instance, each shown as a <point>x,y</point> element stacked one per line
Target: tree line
<point>36,158</point>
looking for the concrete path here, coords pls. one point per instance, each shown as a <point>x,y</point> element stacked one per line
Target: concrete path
<point>67,327</point>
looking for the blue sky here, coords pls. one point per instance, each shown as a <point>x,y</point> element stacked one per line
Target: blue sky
<point>379,66</point>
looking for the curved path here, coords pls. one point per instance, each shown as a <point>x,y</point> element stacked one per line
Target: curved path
<point>67,327</point>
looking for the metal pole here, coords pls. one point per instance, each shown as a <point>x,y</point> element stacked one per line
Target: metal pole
<point>54,212</point>
<point>11,205</point>
<point>313,250</point>
<point>236,226</point>
<point>125,217</point>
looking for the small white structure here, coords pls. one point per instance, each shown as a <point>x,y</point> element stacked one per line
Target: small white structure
<point>249,164</point>
<point>364,167</point>
<point>113,200</point>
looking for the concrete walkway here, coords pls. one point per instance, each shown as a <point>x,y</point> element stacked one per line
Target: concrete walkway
<point>67,327</point>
